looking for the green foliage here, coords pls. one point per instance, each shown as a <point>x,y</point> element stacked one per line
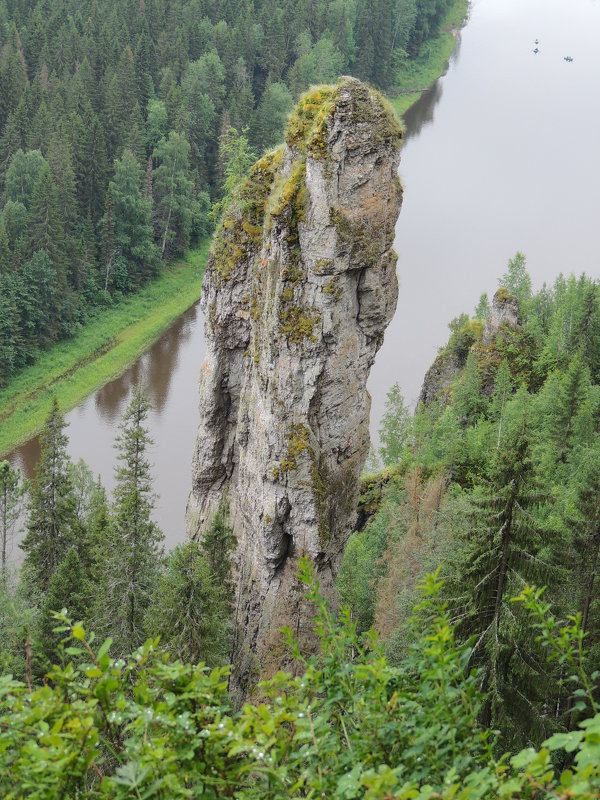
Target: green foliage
<point>131,553</point>
<point>190,611</point>
<point>513,432</point>
<point>348,724</point>
<point>52,526</point>
<point>127,223</point>
<point>85,102</point>
<point>395,428</point>
<point>172,192</point>
<point>517,281</point>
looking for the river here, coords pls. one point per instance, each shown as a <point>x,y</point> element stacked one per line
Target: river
<point>500,155</point>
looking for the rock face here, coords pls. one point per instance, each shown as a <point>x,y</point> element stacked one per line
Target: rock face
<point>299,289</point>
<point>504,313</point>
<point>441,375</point>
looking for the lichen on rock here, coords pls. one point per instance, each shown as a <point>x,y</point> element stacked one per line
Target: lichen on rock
<point>299,289</point>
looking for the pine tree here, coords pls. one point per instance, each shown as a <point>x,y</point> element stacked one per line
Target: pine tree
<point>52,526</point>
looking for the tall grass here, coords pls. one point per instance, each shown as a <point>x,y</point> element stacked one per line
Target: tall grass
<point>103,349</point>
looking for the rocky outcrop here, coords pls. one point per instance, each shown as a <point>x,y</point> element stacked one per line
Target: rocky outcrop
<point>440,376</point>
<point>504,313</point>
<point>299,289</point>
<point>468,337</point>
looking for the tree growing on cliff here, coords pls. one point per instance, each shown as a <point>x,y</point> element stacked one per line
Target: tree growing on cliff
<point>395,427</point>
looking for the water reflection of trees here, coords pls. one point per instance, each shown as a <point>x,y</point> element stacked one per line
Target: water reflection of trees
<point>154,371</point>
<point>164,359</point>
<point>421,114</point>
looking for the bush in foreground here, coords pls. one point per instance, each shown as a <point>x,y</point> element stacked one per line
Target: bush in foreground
<point>347,726</point>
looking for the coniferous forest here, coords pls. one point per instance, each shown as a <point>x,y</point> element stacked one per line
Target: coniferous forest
<point>122,125</point>
<point>464,662</point>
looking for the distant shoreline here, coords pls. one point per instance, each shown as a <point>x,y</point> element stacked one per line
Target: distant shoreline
<point>417,76</point>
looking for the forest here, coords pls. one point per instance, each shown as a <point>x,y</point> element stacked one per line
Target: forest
<point>463,662</point>
<point>124,125</point>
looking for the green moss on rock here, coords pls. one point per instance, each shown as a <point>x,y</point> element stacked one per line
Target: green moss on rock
<point>297,324</point>
<point>242,224</point>
<point>298,443</point>
<point>308,125</point>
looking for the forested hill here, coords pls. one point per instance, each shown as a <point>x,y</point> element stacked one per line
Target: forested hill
<point>123,123</point>
<point>496,479</point>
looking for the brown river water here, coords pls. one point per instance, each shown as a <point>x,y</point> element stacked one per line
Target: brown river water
<point>501,154</point>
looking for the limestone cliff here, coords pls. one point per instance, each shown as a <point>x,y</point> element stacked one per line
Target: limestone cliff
<point>300,286</point>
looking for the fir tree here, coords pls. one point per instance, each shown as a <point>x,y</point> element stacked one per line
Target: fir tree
<point>68,588</point>
<point>52,526</point>
<point>133,549</point>
<point>190,612</point>
<point>503,551</point>
<point>12,491</point>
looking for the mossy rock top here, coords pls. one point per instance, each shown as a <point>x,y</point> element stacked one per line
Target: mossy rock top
<point>365,113</point>
<point>309,124</point>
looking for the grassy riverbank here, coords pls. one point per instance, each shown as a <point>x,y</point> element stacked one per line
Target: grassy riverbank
<point>72,369</point>
<point>416,76</point>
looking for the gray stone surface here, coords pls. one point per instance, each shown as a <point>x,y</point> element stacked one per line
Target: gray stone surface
<point>296,305</point>
<point>504,312</point>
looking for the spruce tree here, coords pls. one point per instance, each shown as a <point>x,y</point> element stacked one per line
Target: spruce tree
<point>219,543</point>
<point>68,588</point>
<point>133,548</point>
<point>12,491</point>
<point>190,612</point>
<point>45,224</point>
<point>52,526</point>
<point>502,551</point>
<point>585,524</point>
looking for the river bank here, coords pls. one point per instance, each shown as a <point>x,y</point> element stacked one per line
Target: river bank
<point>417,75</point>
<point>73,369</point>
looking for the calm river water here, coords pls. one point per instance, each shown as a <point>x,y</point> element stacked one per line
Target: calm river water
<point>500,155</point>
